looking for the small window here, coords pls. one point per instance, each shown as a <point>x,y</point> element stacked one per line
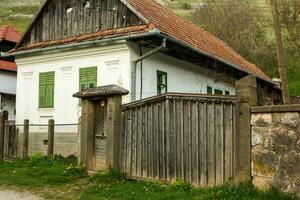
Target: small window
<point>86,4</point>
<point>87,77</point>
<point>69,8</point>
<point>219,92</point>
<point>46,90</point>
<point>162,82</point>
<point>227,93</point>
<point>209,90</point>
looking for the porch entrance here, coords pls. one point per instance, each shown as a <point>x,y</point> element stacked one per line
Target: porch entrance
<point>100,150</point>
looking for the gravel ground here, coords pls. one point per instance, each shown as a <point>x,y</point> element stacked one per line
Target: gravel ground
<point>14,195</point>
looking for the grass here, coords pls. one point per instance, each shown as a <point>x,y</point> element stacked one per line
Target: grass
<point>60,178</point>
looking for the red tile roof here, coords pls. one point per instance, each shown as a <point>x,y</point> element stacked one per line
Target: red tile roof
<point>9,33</point>
<point>8,66</point>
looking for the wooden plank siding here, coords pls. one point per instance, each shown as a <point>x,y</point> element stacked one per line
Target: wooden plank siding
<point>54,22</point>
<point>172,136</point>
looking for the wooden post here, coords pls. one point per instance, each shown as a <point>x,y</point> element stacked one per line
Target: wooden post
<point>87,136</point>
<point>113,131</point>
<point>3,117</point>
<point>6,139</point>
<point>246,92</point>
<point>25,139</point>
<point>50,137</point>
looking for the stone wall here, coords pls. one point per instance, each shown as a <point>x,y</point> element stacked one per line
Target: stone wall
<point>275,148</point>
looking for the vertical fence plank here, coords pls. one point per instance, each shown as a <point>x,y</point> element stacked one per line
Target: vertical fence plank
<point>25,139</point>
<point>129,142</point>
<point>203,143</point>
<point>6,139</point>
<point>228,133</point>
<point>50,149</point>
<point>211,145</point>
<point>195,145</point>
<point>219,144</point>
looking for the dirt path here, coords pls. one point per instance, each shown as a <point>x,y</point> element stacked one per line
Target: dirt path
<point>6,194</point>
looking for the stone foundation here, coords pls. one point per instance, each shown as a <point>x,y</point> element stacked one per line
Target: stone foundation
<point>276,147</point>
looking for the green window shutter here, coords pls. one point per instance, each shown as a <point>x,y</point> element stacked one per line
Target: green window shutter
<point>46,89</point>
<point>209,90</point>
<point>92,77</point>
<point>87,77</point>
<point>42,89</point>
<point>219,92</point>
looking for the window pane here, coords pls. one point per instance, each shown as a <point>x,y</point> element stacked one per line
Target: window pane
<point>209,90</point>
<point>218,91</point>
<point>162,81</point>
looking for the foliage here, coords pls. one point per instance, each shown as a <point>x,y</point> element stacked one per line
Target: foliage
<point>241,28</point>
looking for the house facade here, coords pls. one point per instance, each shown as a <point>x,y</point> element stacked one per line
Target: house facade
<point>137,44</point>
<point>8,71</point>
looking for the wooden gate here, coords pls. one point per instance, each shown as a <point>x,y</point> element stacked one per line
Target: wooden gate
<point>100,136</point>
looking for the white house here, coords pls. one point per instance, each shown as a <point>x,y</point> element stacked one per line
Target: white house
<point>137,44</point>
<point>8,71</point>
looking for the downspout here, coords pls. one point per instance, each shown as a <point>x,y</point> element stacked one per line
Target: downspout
<point>141,90</point>
<point>134,66</point>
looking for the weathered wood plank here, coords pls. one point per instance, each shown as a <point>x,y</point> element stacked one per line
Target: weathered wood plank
<point>56,22</point>
<point>211,145</point>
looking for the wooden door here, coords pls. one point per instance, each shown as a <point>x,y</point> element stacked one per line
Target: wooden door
<point>100,136</point>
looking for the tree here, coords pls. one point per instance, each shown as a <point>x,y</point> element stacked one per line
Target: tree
<point>242,26</point>
<point>280,52</point>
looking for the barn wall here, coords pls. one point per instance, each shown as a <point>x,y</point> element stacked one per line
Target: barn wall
<point>55,22</point>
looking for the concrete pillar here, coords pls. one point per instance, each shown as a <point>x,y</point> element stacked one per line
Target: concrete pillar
<point>87,138</point>
<point>246,92</point>
<point>113,131</point>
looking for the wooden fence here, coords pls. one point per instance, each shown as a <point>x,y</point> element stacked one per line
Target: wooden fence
<point>179,136</point>
<point>16,144</point>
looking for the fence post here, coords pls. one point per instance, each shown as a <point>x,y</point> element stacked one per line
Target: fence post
<point>50,137</point>
<point>25,139</point>
<point>113,121</point>
<point>6,139</point>
<point>3,117</point>
<point>246,92</point>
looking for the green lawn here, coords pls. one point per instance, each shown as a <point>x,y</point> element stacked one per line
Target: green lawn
<point>60,178</point>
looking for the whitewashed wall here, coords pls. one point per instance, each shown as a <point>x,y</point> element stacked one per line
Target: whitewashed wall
<point>113,68</point>
<point>8,83</point>
<point>182,76</point>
